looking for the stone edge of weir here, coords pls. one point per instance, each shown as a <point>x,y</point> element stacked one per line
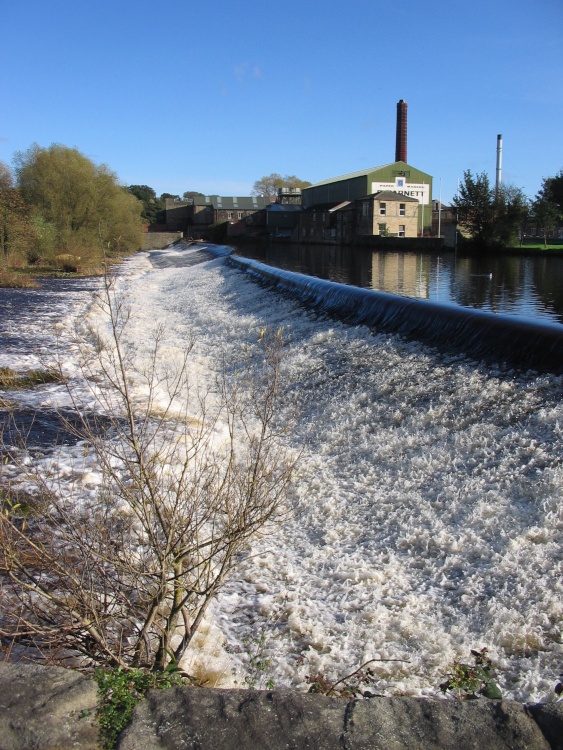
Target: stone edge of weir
<point>48,708</point>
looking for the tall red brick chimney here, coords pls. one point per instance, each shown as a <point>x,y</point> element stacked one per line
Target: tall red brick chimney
<point>401,140</point>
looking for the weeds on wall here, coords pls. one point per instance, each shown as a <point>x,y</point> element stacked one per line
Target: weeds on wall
<point>119,691</point>
<point>469,681</point>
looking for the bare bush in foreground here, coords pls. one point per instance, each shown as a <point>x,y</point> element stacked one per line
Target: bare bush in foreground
<point>125,577</point>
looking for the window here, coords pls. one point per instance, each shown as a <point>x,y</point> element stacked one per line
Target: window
<point>365,208</point>
<point>402,230</point>
<point>383,209</point>
<point>402,209</point>
<point>382,230</point>
<point>240,214</point>
<point>229,215</point>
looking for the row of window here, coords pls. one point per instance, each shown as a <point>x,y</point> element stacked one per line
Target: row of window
<point>383,209</point>
<point>401,233</point>
<point>230,215</point>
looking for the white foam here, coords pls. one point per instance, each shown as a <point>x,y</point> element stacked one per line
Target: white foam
<point>427,516</point>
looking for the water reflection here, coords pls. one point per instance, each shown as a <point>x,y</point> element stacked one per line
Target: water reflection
<point>529,287</point>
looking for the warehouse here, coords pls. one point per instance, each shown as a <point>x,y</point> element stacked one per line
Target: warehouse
<point>396,177</point>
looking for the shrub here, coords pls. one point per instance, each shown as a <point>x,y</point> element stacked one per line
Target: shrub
<point>469,681</point>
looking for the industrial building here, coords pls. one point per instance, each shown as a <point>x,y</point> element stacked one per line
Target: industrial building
<point>390,201</point>
<point>397,177</point>
<point>193,216</point>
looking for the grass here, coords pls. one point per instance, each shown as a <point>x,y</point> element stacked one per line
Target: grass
<point>16,280</point>
<point>12,380</point>
<point>540,246</point>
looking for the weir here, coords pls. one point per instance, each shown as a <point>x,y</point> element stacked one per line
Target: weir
<point>483,335</point>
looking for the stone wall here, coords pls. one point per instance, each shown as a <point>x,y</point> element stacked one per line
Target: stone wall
<point>158,240</point>
<point>49,708</point>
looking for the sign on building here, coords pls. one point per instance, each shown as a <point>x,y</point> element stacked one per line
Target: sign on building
<point>420,191</point>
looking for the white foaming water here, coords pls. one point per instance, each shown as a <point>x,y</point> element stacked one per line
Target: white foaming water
<point>427,516</point>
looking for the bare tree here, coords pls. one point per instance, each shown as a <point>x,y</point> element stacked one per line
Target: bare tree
<point>125,578</point>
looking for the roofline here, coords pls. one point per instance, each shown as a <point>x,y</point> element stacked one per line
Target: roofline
<point>363,173</point>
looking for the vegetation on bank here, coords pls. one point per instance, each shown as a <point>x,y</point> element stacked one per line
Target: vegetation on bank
<point>61,213</point>
<point>494,218</point>
<point>12,380</point>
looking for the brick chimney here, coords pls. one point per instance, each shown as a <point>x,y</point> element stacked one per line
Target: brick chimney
<point>401,140</point>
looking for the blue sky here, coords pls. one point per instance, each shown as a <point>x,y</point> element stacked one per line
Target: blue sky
<point>211,96</point>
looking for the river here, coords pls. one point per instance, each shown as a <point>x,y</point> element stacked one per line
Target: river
<point>427,515</point>
<point>526,286</point>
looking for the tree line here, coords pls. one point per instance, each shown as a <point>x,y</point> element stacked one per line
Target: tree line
<point>60,210</point>
<point>498,217</point>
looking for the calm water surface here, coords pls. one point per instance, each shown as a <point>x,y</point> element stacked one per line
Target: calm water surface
<point>529,287</point>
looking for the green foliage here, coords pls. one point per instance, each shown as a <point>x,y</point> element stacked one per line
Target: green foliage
<point>6,179</point>
<point>79,208</point>
<point>547,207</point>
<point>474,206</point>
<point>153,207</point>
<point>258,662</point>
<point>120,690</point>
<point>471,680</point>
<point>491,218</point>
<point>552,190</point>
<point>512,210</point>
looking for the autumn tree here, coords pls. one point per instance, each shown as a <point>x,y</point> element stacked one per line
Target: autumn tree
<point>17,234</point>
<point>270,184</point>
<point>81,206</point>
<point>6,179</point>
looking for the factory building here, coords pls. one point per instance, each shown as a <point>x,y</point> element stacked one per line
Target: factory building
<point>398,177</point>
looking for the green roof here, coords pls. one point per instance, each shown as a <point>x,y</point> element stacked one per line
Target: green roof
<point>361,173</point>
<point>366,172</point>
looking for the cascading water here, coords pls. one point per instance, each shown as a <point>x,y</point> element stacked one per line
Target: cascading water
<point>474,332</point>
<point>427,517</point>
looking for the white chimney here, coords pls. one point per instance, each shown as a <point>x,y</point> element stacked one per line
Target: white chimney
<point>499,163</point>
